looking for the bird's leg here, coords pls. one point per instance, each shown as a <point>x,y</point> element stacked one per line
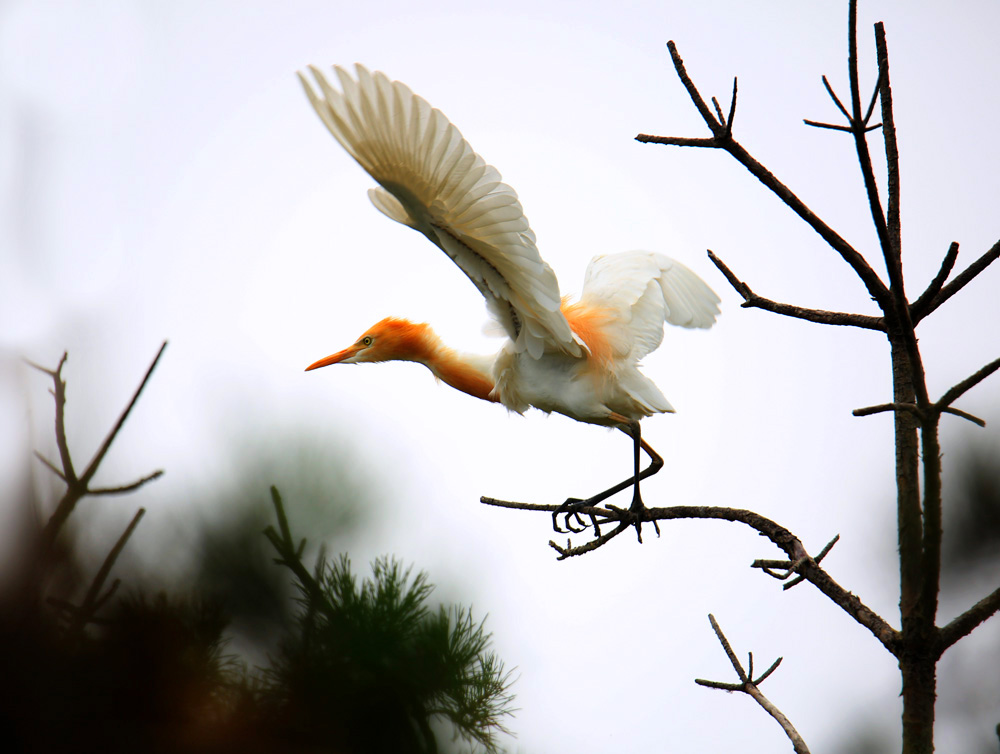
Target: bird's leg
<point>655,464</point>
<point>638,509</point>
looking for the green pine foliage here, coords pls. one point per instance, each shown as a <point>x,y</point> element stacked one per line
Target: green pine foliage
<point>373,667</point>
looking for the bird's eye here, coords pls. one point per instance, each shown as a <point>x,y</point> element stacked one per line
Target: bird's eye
<point>367,340</point>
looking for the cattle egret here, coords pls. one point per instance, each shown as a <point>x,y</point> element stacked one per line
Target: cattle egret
<point>578,359</point>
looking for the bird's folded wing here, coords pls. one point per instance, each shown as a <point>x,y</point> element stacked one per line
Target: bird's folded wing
<point>431,180</point>
<point>641,290</point>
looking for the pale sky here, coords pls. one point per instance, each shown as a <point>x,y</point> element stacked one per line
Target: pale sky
<point>163,176</point>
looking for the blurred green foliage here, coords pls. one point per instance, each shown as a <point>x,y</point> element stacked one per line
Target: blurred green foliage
<point>351,666</point>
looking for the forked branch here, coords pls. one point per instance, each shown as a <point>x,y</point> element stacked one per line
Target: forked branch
<point>925,305</point>
<point>77,487</point>
<point>805,565</point>
<point>750,686</point>
<point>722,139</point>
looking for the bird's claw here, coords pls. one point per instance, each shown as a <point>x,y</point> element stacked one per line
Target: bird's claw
<point>573,520</point>
<point>636,514</point>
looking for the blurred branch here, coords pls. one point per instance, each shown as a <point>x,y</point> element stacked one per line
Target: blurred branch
<point>749,686</point>
<point>93,600</point>
<point>780,536</point>
<point>290,554</point>
<point>78,487</point>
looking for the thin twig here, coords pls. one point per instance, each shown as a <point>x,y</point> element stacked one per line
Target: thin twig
<point>830,126</point>
<point>126,487</point>
<point>960,281</point>
<point>965,415</point>
<point>874,99</point>
<point>92,601</point>
<point>51,466</point>
<point>835,127</point>
<point>947,264</point>
<point>718,111</point>
<point>750,687</point>
<point>835,98</point>
<point>106,445</point>
<point>59,394</point>
<point>732,112</point>
<point>967,384</point>
<point>570,551</point>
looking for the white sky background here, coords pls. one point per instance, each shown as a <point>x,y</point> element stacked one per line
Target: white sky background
<point>162,176</point>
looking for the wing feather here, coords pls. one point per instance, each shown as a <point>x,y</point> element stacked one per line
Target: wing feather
<point>641,290</point>
<point>431,180</point>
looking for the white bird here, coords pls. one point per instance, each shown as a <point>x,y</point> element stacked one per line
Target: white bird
<point>578,359</point>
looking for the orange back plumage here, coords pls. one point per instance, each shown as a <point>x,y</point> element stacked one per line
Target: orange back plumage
<point>590,325</point>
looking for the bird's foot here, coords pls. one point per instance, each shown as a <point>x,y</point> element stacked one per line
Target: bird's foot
<point>637,513</point>
<point>573,522</point>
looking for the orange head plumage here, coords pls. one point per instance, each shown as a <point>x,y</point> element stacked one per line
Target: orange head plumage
<point>391,339</point>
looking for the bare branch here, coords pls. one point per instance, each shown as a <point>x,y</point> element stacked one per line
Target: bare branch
<point>883,407</point>
<point>752,301</point>
<point>830,126</point>
<point>965,385</point>
<point>59,394</point>
<point>835,127</point>
<point>680,141</point>
<point>749,687</point>
<point>718,111</point>
<point>965,415</point>
<point>935,285</point>
<point>764,676</point>
<point>102,451</point>
<point>891,158</point>
<point>706,114</point>
<point>52,467</point>
<point>778,534</point>
<point>128,487</point>
<point>723,140</point>
<point>91,601</point>
<point>819,558</point>
<point>734,661</point>
<point>76,487</point>
<point>836,99</point>
<point>570,551</point>
<point>871,105</point>
<point>960,281</point>
<point>732,111</point>
<point>968,621</point>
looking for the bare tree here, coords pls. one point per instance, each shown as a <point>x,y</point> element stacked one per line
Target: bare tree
<point>918,643</point>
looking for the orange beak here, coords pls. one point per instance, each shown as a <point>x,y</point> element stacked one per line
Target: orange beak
<point>341,356</point>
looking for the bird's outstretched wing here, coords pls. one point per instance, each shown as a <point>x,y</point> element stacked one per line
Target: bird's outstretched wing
<point>639,291</point>
<point>431,180</point>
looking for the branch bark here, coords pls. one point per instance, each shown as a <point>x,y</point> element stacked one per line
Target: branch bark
<point>750,687</point>
<point>778,534</point>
